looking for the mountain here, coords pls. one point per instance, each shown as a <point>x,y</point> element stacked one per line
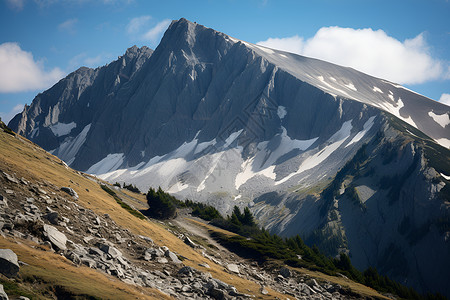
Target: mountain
<point>350,162</point>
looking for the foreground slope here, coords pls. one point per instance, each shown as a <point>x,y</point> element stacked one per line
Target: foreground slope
<point>219,120</point>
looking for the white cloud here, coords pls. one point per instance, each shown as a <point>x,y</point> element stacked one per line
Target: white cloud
<point>155,33</point>
<point>293,44</point>
<point>138,29</point>
<point>20,72</point>
<point>68,25</point>
<point>369,51</point>
<point>445,98</point>
<point>7,116</point>
<point>15,4</point>
<point>137,23</point>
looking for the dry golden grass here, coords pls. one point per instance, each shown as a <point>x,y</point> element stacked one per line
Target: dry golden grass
<point>24,159</point>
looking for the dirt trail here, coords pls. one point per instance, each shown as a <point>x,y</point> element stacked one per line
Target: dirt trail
<point>183,221</point>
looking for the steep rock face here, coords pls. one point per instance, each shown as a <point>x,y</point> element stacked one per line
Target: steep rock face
<point>218,120</point>
<point>60,118</point>
<point>385,207</point>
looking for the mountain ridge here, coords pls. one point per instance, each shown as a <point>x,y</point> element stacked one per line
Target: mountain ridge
<point>226,122</point>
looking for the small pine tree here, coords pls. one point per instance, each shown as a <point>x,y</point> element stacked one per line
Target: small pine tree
<point>247,218</point>
<point>237,212</point>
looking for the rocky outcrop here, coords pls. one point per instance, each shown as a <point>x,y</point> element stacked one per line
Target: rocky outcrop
<point>9,265</point>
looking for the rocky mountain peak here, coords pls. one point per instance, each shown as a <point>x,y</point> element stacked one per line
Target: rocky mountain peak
<point>226,122</point>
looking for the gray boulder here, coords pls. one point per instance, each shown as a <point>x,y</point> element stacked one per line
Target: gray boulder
<point>70,191</point>
<point>285,272</point>
<point>173,257</point>
<point>233,268</point>
<point>56,237</point>
<point>114,252</point>
<point>9,265</point>
<point>52,217</point>
<point>186,270</point>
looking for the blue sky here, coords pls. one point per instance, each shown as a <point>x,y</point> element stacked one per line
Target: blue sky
<point>405,41</point>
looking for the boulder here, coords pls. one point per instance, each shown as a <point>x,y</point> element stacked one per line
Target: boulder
<point>285,272</point>
<point>72,256</point>
<point>264,291</point>
<point>233,268</point>
<point>217,294</point>
<point>52,217</point>
<point>56,237</point>
<point>9,265</point>
<point>70,191</point>
<point>186,270</point>
<point>173,257</point>
<point>114,252</point>
<point>3,295</point>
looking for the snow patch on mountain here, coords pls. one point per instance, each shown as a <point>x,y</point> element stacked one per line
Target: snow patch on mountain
<point>361,134</point>
<point>442,120</point>
<point>248,171</point>
<point>377,90</point>
<point>110,163</point>
<point>395,110</point>
<point>351,86</point>
<point>312,161</point>
<point>62,129</point>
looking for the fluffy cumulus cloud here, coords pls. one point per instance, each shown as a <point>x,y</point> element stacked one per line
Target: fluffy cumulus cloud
<point>445,98</point>
<point>20,72</point>
<point>369,51</point>
<point>140,28</point>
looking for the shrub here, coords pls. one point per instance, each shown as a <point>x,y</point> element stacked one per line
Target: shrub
<point>161,205</point>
